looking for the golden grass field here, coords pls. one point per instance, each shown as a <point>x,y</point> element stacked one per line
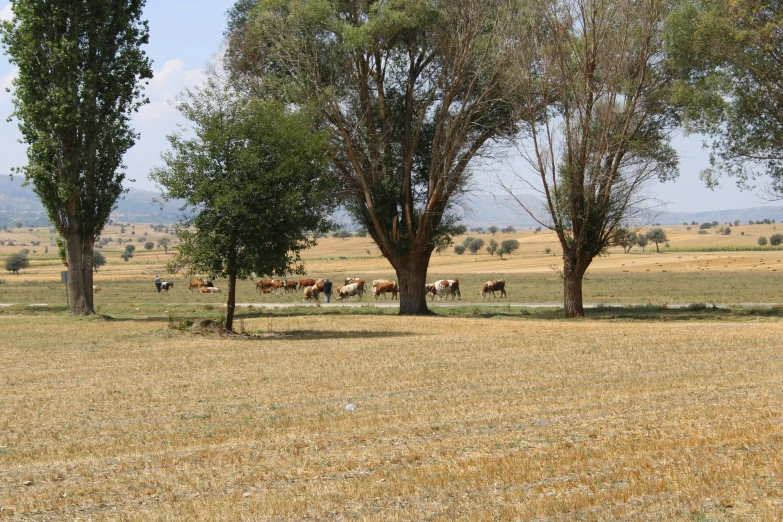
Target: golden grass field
<point>456,419</point>
<point>638,414</point>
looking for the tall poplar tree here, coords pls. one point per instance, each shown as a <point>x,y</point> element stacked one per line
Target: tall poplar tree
<point>80,73</point>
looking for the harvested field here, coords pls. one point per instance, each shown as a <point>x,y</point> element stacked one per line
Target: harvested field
<point>456,419</point>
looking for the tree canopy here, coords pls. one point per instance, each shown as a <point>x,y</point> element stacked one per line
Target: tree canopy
<point>728,55</point>
<point>410,94</point>
<point>254,178</point>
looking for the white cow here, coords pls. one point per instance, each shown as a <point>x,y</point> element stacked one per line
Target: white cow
<point>349,291</point>
<point>445,287</point>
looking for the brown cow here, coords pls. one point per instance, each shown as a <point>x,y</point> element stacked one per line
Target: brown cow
<point>494,286</point>
<point>304,283</point>
<point>311,292</point>
<point>277,285</point>
<point>195,283</point>
<point>266,283</point>
<point>96,289</point>
<point>383,288</point>
<point>290,286</point>
<point>320,284</point>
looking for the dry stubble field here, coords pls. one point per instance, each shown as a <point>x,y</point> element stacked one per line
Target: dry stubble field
<point>494,417</point>
<point>456,419</point>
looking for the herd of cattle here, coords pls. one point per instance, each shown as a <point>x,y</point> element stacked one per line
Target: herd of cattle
<point>353,286</point>
<point>312,288</point>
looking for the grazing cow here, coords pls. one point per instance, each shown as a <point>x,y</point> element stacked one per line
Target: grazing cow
<point>376,282</point>
<point>351,290</point>
<point>209,290</point>
<point>266,283</point>
<point>96,289</point>
<point>320,284</point>
<point>428,288</point>
<point>290,286</point>
<point>166,285</point>
<point>383,288</point>
<point>304,283</point>
<point>311,292</point>
<point>446,286</point>
<point>266,290</point>
<point>494,286</point>
<point>277,285</point>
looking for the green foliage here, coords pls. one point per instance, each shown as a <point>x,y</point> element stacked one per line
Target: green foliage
<point>727,52</point>
<point>705,226</point>
<point>164,243</point>
<point>467,241</point>
<point>508,247</point>
<point>762,240</point>
<point>492,247</point>
<point>776,239</point>
<point>98,260</point>
<point>149,245</point>
<point>657,235</point>
<point>493,230</point>
<point>253,175</point>
<point>459,249</point>
<point>16,262</point>
<point>126,256</point>
<point>475,245</point>
<point>130,248</point>
<point>508,230</point>
<point>342,234</point>
<point>642,241</point>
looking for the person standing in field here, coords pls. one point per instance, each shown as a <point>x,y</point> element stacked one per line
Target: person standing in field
<point>327,290</point>
<point>157,283</point>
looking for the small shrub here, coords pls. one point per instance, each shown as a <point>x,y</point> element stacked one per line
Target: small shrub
<point>776,239</point>
<point>548,250</point>
<point>149,245</point>
<point>703,232</point>
<point>688,228</point>
<point>130,248</point>
<point>742,233</point>
<point>16,262</point>
<point>459,250</point>
<point>762,240</point>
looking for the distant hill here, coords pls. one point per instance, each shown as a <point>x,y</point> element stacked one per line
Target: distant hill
<point>20,204</point>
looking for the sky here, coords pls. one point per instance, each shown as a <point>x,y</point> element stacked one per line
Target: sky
<point>185,36</point>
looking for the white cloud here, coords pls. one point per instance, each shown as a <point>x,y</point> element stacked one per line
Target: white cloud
<point>5,13</point>
<point>167,82</point>
<point>6,83</point>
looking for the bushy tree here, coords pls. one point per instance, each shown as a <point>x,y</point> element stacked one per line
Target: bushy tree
<point>642,241</point>
<point>467,241</point>
<point>80,68</point>
<point>459,249</point>
<point>410,92</point>
<point>16,262</point>
<point>149,245</point>
<point>164,243</point>
<point>254,176</point>
<point>776,239</point>
<point>493,230</point>
<point>508,247</point>
<point>476,245</point>
<point>130,248</point>
<point>762,240</point>
<point>656,235</point>
<point>98,261</point>
<point>492,247</point>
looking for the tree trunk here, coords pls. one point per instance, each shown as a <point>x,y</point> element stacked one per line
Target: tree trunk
<point>87,264</point>
<point>412,276</point>
<point>573,274</point>
<point>232,301</point>
<point>78,304</point>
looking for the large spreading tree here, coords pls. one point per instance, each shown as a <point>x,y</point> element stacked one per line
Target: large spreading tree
<point>410,93</point>
<point>80,71</point>
<point>730,56</point>
<point>596,93</point>
<point>254,178</point>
